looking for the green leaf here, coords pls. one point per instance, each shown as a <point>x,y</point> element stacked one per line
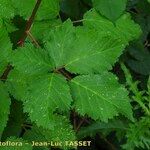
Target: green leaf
<point>5,48</point>
<point>47,93</point>
<point>123,28</point>
<point>48,9</point>
<point>127,28</point>
<point>20,144</point>
<point>43,27</point>
<point>9,25</point>
<point>5,105</point>
<point>101,97</point>
<point>72,48</point>
<point>17,83</point>
<point>36,134</point>
<point>6,9</point>
<point>60,42</point>
<point>31,60</point>
<point>63,131</point>
<point>111,9</point>
<point>90,46</point>
<point>138,135</point>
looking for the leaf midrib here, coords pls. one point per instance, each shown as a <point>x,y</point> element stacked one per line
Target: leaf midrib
<point>77,83</point>
<point>87,56</point>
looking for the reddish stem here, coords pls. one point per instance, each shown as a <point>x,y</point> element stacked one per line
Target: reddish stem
<point>29,23</point>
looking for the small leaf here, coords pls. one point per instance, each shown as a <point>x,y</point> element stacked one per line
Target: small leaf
<point>101,97</point>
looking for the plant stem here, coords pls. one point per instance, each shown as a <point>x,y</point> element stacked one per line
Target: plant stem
<point>63,72</point>
<point>33,39</point>
<point>80,124</point>
<point>29,23</point>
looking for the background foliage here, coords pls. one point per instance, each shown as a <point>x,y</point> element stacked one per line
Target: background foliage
<point>75,70</point>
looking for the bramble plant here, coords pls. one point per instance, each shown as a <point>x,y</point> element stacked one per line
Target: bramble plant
<point>69,73</point>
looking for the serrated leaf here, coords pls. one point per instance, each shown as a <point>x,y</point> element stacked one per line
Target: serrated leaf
<point>6,9</point>
<point>63,131</point>
<point>10,27</point>
<point>31,60</point>
<point>36,135</point>
<point>60,42</point>
<point>20,144</point>
<point>123,28</point>
<point>5,48</point>
<point>46,93</point>
<point>5,105</point>
<point>43,28</point>
<point>101,97</point>
<point>17,84</point>
<point>72,48</point>
<point>90,46</point>
<point>127,28</point>
<point>111,9</point>
<point>48,9</point>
